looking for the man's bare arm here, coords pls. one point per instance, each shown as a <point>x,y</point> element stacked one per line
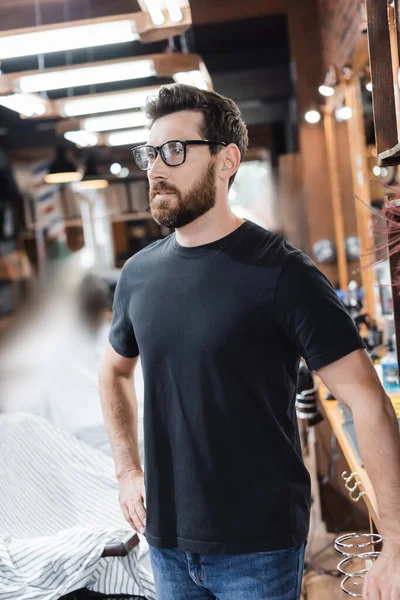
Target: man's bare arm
<point>354,382</point>
<point>119,406</point>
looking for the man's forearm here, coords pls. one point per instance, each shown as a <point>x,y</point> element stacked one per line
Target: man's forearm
<point>119,406</point>
<point>378,436</point>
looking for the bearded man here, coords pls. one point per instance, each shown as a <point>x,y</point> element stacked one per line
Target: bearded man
<point>220,312</point>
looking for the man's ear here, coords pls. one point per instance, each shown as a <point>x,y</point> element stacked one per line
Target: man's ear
<point>230,161</point>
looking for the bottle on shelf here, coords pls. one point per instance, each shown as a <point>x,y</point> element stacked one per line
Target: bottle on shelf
<point>390,368</point>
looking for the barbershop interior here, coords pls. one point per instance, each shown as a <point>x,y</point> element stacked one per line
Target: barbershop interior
<point>317,85</point>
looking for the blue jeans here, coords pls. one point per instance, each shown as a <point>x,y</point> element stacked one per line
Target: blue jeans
<point>182,575</point>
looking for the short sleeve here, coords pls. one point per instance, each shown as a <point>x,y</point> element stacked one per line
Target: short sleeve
<point>122,337</point>
<point>311,314</point>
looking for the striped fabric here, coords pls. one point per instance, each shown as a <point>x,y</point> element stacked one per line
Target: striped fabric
<point>58,509</point>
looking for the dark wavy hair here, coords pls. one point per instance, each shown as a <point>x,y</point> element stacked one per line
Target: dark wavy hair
<point>222,120</point>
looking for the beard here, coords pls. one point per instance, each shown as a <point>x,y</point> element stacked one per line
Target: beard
<point>187,207</point>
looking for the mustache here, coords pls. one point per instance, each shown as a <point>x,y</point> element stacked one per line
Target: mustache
<point>163,187</point>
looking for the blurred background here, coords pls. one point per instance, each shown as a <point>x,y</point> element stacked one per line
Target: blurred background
<point>74,76</point>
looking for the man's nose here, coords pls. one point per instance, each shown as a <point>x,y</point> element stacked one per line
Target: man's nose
<point>158,170</point>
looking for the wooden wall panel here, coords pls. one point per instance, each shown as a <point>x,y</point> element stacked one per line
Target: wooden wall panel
<point>347,193</point>
<point>308,69</point>
<point>340,22</point>
<point>346,180</point>
<point>336,198</point>
<point>361,186</point>
<point>291,200</point>
<point>317,190</point>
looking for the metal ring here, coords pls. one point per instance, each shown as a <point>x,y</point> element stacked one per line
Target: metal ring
<point>304,416</point>
<point>374,538</point>
<point>346,477</point>
<point>307,392</point>
<point>363,556</point>
<point>360,495</point>
<point>305,404</point>
<point>346,579</point>
<point>352,489</point>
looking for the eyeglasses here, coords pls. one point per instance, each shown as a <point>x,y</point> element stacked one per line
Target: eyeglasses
<point>172,153</point>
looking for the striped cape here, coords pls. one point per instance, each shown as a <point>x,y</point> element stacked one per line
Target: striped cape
<point>58,510</point>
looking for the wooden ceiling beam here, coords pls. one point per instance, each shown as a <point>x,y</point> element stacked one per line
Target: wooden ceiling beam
<point>210,11</point>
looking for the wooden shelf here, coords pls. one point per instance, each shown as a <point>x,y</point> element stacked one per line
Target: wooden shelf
<point>335,417</point>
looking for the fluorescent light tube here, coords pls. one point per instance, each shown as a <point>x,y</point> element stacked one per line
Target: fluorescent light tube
<point>110,102</point>
<point>174,11</point>
<point>194,78</point>
<point>66,177</point>
<point>95,184</point>
<point>24,104</point>
<point>82,138</point>
<point>155,12</point>
<point>67,38</point>
<point>123,138</point>
<point>111,122</point>
<point>77,76</point>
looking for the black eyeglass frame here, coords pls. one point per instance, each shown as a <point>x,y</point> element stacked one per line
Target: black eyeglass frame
<point>185,143</point>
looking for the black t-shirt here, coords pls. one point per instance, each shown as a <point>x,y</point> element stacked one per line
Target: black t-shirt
<point>220,329</point>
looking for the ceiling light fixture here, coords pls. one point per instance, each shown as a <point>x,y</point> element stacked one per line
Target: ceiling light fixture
<point>56,38</point>
<point>111,122</point>
<point>376,171</point>
<point>331,81</point>
<point>115,168</point>
<point>154,9</point>
<point>92,180</point>
<point>124,172</point>
<point>380,171</point>
<point>123,138</point>
<point>344,113</point>
<point>369,86</point>
<point>174,10</point>
<point>312,116</point>
<point>95,184</point>
<point>62,170</point>
<point>77,76</point>
<point>83,139</point>
<point>326,90</point>
<point>109,102</point>
<point>158,65</point>
<point>27,105</point>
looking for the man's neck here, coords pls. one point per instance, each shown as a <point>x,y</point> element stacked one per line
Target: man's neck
<point>208,228</point>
